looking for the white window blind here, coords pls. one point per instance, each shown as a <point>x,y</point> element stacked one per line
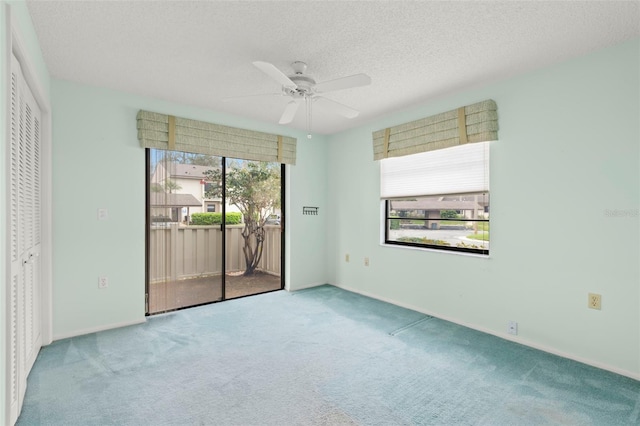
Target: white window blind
<point>457,170</point>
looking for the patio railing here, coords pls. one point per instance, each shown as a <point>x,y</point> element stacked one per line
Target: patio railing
<point>177,252</point>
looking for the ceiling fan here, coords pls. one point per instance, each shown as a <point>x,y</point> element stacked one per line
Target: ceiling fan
<point>302,88</point>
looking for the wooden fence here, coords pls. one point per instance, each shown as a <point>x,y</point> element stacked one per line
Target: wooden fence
<point>179,252</point>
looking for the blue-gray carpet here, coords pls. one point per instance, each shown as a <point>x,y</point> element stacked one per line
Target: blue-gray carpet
<point>321,356</point>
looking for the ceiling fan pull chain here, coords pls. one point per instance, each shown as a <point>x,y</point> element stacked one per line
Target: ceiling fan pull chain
<point>308,101</point>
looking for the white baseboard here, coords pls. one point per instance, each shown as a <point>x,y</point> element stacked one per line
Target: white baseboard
<point>82,332</point>
<point>304,286</point>
<point>505,336</point>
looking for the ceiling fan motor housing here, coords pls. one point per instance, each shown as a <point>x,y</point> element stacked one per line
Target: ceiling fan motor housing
<point>304,86</point>
<point>304,83</point>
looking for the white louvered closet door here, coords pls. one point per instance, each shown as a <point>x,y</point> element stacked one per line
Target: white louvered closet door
<point>25,207</point>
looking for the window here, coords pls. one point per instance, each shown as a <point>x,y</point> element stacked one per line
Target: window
<point>456,222</point>
<point>211,208</point>
<point>438,199</point>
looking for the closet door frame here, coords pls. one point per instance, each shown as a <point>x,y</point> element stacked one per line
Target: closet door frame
<point>16,46</point>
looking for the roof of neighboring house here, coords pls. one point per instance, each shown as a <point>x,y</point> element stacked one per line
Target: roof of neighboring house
<point>161,199</point>
<point>435,204</point>
<point>188,171</point>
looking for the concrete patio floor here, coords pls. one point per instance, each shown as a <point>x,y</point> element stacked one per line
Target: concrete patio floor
<point>166,296</point>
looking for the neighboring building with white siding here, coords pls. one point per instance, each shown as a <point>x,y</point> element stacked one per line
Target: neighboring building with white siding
<point>184,179</point>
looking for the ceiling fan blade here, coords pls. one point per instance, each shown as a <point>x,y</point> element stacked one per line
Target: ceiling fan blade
<point>336,107</point>
<point>274,73</point>
<point>258,95</point>
<point>355,80</point>
<point>289,112</point>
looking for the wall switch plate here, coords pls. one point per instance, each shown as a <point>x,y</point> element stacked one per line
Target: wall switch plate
<point>103,282</point>
<point>366,261</point>
<point>594,301</point>
<point>346,257</point>
<point>512,327</point>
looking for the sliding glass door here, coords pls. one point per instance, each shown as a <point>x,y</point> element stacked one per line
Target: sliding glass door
<point>213,229</point>
<point>253,246</point>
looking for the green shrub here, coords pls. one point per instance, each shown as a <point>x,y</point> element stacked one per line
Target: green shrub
<point>423,240</point>
<point>466,245</point>
<point>206,218</point>
<point>215,218</point>
<point>234,218</point>
<point>448,214</point>
<point>394,224</point>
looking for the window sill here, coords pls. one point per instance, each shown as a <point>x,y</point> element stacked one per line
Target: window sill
<point>434,250</point>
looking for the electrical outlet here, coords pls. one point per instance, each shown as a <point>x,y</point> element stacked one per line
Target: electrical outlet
<point>366,261</point>
<point>103,214</point>
<point>512,327</point>
<point>346,257</point>
<point>103,282</point>
<point>594,301</point>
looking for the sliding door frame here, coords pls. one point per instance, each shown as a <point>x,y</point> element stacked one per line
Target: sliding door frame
<point>222,228</point>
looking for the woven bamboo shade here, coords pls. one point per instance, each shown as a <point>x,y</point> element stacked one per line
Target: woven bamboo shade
<point>473,123</point>
<point>167,132</point>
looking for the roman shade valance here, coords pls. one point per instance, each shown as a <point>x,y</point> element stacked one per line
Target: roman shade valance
<point>162,131</point>
<point>473,123</point>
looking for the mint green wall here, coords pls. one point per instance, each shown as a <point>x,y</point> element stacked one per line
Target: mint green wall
<point>18,13</point>
<point>569,150</point>
<point>98,163</point>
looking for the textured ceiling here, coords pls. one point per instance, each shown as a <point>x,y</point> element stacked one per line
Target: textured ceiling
<point>198,53</point>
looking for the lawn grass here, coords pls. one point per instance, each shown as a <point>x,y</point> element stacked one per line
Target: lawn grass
<point>483,236</point>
